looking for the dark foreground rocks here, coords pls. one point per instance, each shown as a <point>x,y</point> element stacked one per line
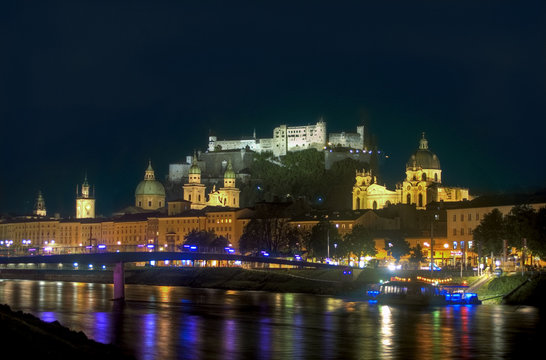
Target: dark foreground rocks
<point>24,336</point>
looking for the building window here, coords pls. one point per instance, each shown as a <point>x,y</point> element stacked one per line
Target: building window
<point>409,199</point>
<point>469,231</point>
<point>462,231</point>
<point>469,217</point>
<point>454,232</point>
<point>462,217</point>
<point>454,217</point>
<point>149,203</point>
<point>420,200</point>
<point>477,216</point>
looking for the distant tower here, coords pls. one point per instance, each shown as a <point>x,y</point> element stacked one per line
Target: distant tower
<point>194,191</point>
<point>229,191</point>
<point>39,206</point>
<point>85,202</point>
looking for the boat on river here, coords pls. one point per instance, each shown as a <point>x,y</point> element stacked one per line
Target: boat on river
<point>409,291</point>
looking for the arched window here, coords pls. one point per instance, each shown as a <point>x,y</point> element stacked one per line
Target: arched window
<point>424,177</point>
<point>189,197</point>
<point>420,200</point>
<point>409,199</point>
<point>375,205</point>
<point>436,177</point>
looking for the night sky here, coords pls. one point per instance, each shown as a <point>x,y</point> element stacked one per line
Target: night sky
<point>104,86</point>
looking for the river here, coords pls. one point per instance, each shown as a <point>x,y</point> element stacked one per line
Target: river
<point>161,322</point>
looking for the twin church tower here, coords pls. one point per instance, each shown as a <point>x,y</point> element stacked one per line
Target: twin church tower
<point>150,193</point>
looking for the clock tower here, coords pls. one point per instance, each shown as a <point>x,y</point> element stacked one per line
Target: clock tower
<point>85,201</point>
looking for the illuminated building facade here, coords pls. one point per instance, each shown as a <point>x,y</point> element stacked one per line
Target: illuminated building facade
<point>194,191</point>
<point>422,185</point>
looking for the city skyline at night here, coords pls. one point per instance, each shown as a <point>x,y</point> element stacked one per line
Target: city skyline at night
<point>103,90</point>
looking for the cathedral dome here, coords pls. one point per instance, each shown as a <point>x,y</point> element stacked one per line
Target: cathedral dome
<point>423,157</point>
<point>150,186</point>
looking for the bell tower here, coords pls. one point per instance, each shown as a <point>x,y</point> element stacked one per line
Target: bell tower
<point>85,201</point>
<point>39,206</point>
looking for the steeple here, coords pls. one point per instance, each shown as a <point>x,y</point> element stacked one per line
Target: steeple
<point>85,201</point>
<point>423,143</point>
<point>39,206</point>
<point>85,187</point>
<point>149,174</point>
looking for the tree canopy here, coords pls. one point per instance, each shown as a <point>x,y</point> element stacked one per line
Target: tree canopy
<point>396,246</point>
<point>490,233</point>
<point>358,242</point>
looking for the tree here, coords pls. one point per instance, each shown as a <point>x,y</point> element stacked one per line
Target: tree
<point>358,242</point>
<point>199,238</point>
<point>396,246</point>
<point>272,234</point>
<point>417,255</point>
<point>537,244</point>
<point>322,235</point>
<point>520,224</point>
<point>489,235</point>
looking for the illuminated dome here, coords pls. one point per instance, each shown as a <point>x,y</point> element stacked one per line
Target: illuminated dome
<point>423,157</point>
<point>150,186</point>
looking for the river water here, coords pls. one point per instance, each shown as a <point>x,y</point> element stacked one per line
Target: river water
<point>161,322</point>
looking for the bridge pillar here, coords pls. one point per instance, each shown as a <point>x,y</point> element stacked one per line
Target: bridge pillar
<point>119,281</point>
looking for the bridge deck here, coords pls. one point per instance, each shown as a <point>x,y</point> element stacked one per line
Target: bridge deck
<point>127,257</point>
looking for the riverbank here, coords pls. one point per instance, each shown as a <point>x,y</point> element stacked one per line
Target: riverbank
<point>25,336</point>
<point>515,289</point>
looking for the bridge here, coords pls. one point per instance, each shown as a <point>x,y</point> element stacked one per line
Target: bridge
<point>118,259</point>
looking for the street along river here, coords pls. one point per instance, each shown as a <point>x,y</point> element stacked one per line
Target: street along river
<point>160,322</point>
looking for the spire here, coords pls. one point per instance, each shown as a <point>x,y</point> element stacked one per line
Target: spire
<point>149,173</point>
<point>423,143</point>
<point>85,183</point>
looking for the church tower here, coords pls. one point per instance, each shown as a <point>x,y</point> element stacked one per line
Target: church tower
<point>229,193</point>
<point>194,191</point>
<point>39,206</point>
<point>85,201</point>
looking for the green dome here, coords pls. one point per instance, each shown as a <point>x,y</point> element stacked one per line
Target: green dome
<point>150,187</point>
<point>194,168</point>
<point>229,174</point>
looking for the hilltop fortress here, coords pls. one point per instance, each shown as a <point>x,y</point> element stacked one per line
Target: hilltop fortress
<point>336,147</point>
<point>293,138</point>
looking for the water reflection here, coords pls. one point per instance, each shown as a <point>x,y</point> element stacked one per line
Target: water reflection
<point>159,322</point>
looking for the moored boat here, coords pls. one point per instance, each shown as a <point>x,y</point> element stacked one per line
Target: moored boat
<point>418,292</point>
